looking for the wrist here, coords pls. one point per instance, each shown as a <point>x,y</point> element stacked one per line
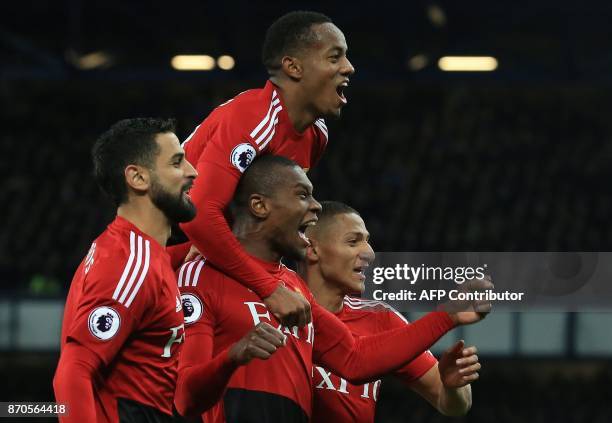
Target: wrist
<point>269,289</point>
<point>233,354</point>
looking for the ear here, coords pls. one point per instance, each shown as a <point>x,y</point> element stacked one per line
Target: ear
<point>312,254</point>
<point>292,67</point>
<point>137,178</point>
<point>259,206</point>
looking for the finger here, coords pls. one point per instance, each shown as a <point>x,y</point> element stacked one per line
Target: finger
<point>288,319</point>
<point>471,350</point>
<point>470,369</point>
<point>480,285</point>
<point>255,352</point>
<point>301,316</point>
<point>456,348</point>
<point>272,335</point>
<point>470,378</point>
<point>304,314</point>
<point>271,329</point>
<point>263,344</point>
<point>467,361</point>
<point>483,307</point>
<point>308,310</point>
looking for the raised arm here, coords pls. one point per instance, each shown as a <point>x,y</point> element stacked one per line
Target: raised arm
<point>219,169</point>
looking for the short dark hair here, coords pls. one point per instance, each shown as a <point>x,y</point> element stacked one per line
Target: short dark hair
<point>129,141</point>
<point>261,177</point>
<point>331,209</point>
<point>289,34</point>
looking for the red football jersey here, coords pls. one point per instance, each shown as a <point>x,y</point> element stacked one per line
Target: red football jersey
<point>338,400</point>
<point>219,312</point>
<point>222,311</point>
<point>254,122</point>
<point>124,305</point>
<point>222,147</point>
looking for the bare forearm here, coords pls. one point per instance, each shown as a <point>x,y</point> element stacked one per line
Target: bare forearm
<point>454,401</point>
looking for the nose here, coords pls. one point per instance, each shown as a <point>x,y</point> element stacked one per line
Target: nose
<point>315,206</point>
<point>348,68</point>
<point>190,171</point>
<point>367,254</point>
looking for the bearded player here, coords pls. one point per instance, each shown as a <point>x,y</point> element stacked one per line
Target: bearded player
<point>123,321</point>
<point>334,268</point>
<point>305,55</point>
<point>273,207</point>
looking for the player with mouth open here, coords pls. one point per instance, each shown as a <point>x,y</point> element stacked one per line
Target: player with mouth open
<point>239,362</point>
<point>305,55</point>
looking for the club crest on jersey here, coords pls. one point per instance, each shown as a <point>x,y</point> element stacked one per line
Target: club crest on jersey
<point>104,323</point>
<point>242,155</point>
<point>192,308</point>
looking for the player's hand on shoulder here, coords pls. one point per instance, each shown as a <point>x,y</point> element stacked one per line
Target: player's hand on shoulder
<point>289,307</point>
<point>465,312</point>
<point>459,365</point>
<point>192,254</point>
<point>260,342</point>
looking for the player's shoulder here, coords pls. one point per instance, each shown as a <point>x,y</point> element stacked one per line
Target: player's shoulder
<point>248,108</point>
<point>321,127</point>
<point>356,305</point>
<point>199,275</point>
<point>119,263</point>
<point>189,274</point>
<point>293,278</point>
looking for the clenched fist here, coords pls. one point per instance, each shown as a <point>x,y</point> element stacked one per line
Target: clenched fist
<point>261,342</point>
<point>289,307</point>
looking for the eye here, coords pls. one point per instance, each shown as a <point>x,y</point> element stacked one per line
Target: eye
<point>303,196</point>
<point>352,242</point>
<point>334,58</point>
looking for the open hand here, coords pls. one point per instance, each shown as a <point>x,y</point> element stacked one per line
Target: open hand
<point>459,366</point>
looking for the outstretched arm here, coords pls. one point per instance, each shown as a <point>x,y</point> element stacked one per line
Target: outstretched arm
<point>370,357</point>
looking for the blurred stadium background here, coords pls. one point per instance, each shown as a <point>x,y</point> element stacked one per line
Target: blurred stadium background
<point>515,159</point>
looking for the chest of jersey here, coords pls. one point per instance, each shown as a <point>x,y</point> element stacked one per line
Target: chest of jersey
<point>337,399</point>
<point>241,309</point>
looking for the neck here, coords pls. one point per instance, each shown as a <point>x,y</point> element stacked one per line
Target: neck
<point>251,236</point>
<point>327,295</point>
<point>146,217</point>
<point>300,115</point>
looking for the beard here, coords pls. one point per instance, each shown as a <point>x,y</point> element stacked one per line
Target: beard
<point>176,207</point>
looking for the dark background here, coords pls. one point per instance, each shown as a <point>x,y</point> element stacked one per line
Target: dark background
<point>513,160</point>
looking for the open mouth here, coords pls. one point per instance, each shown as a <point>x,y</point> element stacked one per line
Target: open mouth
<point>340,91</point>
<point>185,191</point>
<point>360,271</point>
<point>302,231</point>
